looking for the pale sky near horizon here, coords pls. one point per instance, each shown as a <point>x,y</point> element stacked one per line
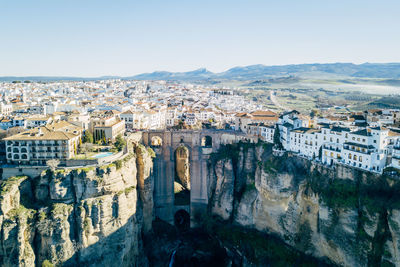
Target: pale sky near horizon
<point>91,38</point>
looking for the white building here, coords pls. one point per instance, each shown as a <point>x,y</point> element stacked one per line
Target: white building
<point>396,155</point>
<point>5,109</point>
<point>36,146</point>
<point>267,133</point>
<point>366,149</point>
<point>305,142</point>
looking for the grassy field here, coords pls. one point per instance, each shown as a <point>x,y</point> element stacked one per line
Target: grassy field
<point>313,92</point>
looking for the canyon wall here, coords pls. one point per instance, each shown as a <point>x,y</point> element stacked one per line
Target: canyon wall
<point>349,217</point>
<point>97,216</point>
<point>80,217</point>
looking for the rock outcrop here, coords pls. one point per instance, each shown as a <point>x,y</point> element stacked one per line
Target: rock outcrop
<point>347,216</point>
<point>81,217</point>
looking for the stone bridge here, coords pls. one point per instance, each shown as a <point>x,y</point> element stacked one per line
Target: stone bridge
<point>199,144</point>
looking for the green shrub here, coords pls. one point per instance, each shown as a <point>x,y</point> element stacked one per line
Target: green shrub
<point>151,152</point>
<point>42,216</point>
<point>250,187</point>
<point>120,143</point>
<point>118,164</point>
<point>129,189</point>
<point>47,263</point>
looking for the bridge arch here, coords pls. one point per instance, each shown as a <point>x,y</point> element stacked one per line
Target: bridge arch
<point>156,141</point>
<point>207,141</point>
<point>190,147</point>
<point>182,220</point>
<point>182,176</point>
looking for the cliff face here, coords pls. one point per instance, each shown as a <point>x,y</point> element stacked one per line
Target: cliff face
<point>84,217</point>
<point>348,216</point>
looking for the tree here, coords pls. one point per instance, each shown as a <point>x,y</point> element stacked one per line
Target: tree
<point>119,142</point>
<point>53,164</point>
<point>88,137</point>
<point>277,138</point>
<point>320,153</point>
<point>87,147</point>
<point>313,113</point>
<point>180,124</point>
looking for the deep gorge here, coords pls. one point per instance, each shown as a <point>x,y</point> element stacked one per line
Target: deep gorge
<point>263,210</point>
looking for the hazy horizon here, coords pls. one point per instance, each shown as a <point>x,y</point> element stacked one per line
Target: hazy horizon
<point>189,70</point>
<point>125,38</point>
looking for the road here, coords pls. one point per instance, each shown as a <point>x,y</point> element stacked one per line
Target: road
<point>276,103</point>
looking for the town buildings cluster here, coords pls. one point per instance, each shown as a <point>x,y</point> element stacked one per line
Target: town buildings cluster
<point>43,121</point>
<point>369,140</point>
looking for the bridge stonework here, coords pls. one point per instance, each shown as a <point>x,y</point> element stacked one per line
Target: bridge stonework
<point>199,154</point>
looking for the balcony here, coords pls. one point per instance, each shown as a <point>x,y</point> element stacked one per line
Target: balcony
<point>331,148</point>
<point>363,151</point>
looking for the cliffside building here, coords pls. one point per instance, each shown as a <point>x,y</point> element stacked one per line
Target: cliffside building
<point>36,146</point>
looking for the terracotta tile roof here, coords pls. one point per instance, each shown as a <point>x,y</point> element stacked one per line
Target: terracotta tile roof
<point>59,131</point>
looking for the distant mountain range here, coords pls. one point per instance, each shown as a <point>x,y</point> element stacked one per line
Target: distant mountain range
<point>255,72</point>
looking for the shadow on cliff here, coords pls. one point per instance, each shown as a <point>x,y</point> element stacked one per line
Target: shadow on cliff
<point>113,250</point>
<point>123,247</point>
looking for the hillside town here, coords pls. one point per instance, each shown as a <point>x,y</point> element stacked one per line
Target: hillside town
<point>78,122</point>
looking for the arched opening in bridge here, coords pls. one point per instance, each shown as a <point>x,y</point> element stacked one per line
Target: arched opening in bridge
<point>156,141</point>
<point>182,220</point>
<point>182,176</point>
<point>206,141</point>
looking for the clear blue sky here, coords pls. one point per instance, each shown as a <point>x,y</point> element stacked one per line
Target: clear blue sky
<point>96,37</point>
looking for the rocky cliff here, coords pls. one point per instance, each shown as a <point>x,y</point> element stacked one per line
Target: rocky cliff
<point>349,217</point>
<point>81,217</point>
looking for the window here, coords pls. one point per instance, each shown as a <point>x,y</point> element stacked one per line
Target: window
<point>360,158</point>
<point>350,156</point>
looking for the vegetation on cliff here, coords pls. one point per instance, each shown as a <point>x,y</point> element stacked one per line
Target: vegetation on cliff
<point>357,206</point>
